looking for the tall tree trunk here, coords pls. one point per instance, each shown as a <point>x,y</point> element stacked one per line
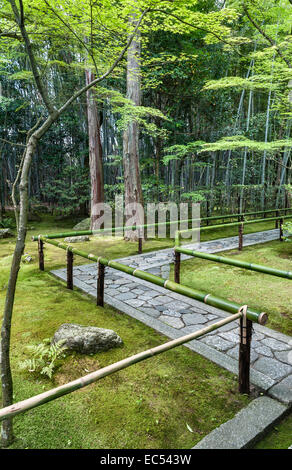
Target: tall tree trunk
<point>132,179</point>
<point>6,375</point>
<point>95,153</point>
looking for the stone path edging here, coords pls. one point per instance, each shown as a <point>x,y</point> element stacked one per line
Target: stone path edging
<point>247,426</point>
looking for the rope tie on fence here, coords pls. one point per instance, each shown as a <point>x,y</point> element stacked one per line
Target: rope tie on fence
<point>206,297</point>
<point>243,310</point>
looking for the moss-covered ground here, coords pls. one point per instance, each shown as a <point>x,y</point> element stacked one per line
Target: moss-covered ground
<point>170,401</point>
<point>280,437</point>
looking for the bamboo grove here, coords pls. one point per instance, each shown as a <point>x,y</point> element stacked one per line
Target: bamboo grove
<point>213,108</point>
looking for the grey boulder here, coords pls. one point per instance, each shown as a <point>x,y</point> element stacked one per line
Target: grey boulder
<point>86,339</point>
<point>77,239</point>
<point>83,225</point>
<point>6,233</point>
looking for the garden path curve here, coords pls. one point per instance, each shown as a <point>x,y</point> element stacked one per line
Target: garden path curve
<point>175,315</point>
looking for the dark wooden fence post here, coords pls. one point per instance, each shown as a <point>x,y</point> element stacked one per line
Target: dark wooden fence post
<point>69,270</point>
<point>140,242</point>
<point>176,267</point>
<point>240,236</point>
<point>244,353</point>
<point>208,211</point>
<point>41,254</point>
<point>281,231</point>
<point>100,285</point>
<point>277,221</point>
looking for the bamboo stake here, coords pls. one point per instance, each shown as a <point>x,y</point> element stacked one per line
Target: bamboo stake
<point>88,379</point>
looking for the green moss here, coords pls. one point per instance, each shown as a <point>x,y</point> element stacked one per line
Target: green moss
<point>147,405</point>
<point>279,438</point>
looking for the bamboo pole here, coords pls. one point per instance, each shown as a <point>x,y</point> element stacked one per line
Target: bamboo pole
<point>121,229</point>
<point>233,262</point>
<point>234,224</point>
<point>88,379</point>
<point>226,305</point>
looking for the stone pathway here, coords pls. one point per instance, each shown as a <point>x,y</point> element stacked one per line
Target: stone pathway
<point>176,315</point>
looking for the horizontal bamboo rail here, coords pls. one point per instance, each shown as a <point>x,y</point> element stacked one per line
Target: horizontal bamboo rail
<point>53,394</point>
<point>209,299</point>
<point>136,227</point>
<point>238,263</point>
<point>231,224</point>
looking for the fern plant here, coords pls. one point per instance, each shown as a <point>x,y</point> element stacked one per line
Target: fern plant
<point>44,356</point>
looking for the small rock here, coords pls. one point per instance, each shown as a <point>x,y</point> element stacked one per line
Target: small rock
<point>86,339</point>
<point>6,233</point>
<point>78,239</point>
<point>83,225</point>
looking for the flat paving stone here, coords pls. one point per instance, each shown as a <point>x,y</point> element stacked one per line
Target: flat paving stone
<point>246,427</point>
<point>126,296</point>
<point>194,318</point>
<point>283,390</point>
<point>135,302</point>
<point>151,311</point>
<point>172,321</point>
<point>172,313</point>
<point>284,356</point>
<point>234,352</point>
<point>217,342</point>
<point>274,369</point>
<point>275,344</point>
<point>264,351</point>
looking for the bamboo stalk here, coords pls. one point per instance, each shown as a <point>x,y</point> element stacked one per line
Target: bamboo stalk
<point>233,262</point>
<point>88,379</point>
<point>228,306</point>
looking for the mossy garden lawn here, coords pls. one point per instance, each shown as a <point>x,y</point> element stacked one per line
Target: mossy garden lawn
<point>170,401</point>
